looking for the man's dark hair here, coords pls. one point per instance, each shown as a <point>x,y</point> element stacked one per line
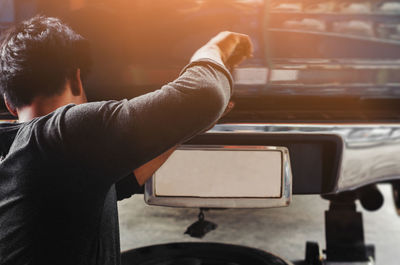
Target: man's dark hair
<point>37,56</point>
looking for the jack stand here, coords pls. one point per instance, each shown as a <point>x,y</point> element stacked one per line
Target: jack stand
<point>344,232</point>
<point>345,235</point>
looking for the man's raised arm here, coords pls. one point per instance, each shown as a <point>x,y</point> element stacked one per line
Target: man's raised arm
<point>116,137</point>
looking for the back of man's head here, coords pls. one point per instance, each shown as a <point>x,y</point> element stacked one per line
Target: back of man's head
<point>37,57</point>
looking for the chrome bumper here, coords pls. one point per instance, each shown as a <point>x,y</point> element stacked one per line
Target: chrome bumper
<point>371,152</point>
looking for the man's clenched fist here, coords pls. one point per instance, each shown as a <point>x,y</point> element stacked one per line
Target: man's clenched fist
<point>235,47</point>
<point>227,47</point>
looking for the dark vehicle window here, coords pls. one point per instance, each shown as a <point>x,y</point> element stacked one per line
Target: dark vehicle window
<point>349,47</point>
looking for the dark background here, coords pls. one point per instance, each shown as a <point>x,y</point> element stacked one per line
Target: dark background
<point>339,76</point>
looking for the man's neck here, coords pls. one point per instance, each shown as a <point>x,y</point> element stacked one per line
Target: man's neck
<point>39,107</point>
<point>42,106</point>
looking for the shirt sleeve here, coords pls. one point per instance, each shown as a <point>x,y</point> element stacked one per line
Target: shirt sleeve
<point>112,138</point>
<point>126,187</point>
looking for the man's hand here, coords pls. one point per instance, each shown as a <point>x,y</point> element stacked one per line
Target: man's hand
<point>145,172</point>
<point>228,48</point>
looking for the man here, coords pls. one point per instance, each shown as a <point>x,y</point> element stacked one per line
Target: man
<point>59,164</point>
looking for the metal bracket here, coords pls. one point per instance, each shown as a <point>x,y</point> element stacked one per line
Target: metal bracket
<point>344,232</point>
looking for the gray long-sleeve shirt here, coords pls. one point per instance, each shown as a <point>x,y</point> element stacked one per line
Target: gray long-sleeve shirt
<point>58,202</point>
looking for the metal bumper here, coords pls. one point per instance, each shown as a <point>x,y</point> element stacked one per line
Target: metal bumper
<point>371,152</point>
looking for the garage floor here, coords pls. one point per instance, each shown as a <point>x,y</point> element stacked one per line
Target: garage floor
<point>282,231</point>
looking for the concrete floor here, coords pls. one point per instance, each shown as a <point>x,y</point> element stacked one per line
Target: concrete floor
<point>282,231</point>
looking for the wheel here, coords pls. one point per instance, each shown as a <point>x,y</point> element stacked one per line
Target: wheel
<point>313,254</point>
<point>199,254</point>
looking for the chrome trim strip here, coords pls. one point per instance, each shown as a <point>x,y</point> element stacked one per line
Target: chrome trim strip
<point>286,189</point>
<point>371,152</point>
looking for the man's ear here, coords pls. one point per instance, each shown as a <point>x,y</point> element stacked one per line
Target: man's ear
<point>11,109</point>
<point>76,83</point>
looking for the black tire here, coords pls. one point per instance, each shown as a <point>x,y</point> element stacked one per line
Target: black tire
<point>313,254</point>
<point>199,254</point>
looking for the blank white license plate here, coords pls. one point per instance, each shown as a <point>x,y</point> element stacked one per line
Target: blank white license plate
<point>223,176</point>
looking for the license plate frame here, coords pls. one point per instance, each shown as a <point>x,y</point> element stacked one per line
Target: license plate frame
<point>199,199</point>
